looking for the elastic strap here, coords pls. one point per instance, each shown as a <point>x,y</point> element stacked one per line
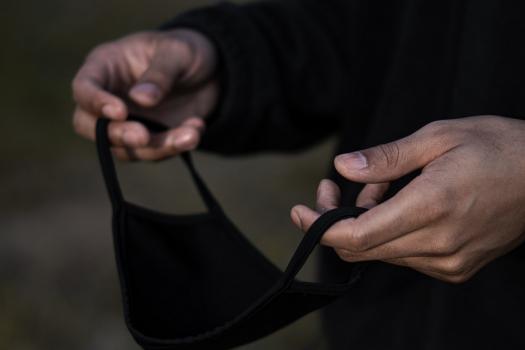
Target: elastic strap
<point>110,175</point>
<point>207,197</point>
<point>314,235</point>
<point>106,162</point>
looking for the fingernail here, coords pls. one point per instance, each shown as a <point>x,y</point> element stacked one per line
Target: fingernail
<point>353,161</point>
<point>148,89</point>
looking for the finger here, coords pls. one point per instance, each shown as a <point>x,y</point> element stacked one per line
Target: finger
<point>182,138</point>
<point>186,137</point>
<point>195,122</point>
<point>419,204</point>
<point>168,146</point>
<point>164,145</point>
<point>426,242</point>
<point>90,95</point>
<point>303,217</point>
<point>121,133</point>
<point>328,196</point>
<point>84,123</point>
<point>167,65</point>
<point>145,153</point>
<point>392,160</point>
<point>371,195</point>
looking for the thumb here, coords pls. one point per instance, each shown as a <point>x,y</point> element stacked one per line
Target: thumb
<point>166,66</point>
<point>392,160</point>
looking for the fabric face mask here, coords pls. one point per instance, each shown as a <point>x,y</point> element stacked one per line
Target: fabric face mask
<point>195,282</point>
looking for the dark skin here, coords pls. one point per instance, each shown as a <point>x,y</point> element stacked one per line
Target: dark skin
<point>465,209</point>
<point>165,76</point>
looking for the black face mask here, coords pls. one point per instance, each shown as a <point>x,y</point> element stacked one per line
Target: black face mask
<point>195,282</point>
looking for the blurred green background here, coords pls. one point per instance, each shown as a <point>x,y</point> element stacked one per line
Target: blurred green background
<point>58,284</point>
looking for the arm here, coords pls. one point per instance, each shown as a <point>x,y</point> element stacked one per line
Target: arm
<point>285,72</point>
<point>278,81</point>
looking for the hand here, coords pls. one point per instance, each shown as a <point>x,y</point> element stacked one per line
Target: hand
<point>465,209</point>
<point>166,76</point>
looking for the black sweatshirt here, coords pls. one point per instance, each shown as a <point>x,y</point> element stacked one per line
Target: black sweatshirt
<point>295,72</point>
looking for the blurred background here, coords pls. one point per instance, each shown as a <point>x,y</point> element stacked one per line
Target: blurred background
<point>58,283</point>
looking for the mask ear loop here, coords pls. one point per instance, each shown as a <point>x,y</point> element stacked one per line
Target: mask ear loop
<point>308,244</point>
<point>106,163</point>
<point>110,174</point>
<point>209,199</point>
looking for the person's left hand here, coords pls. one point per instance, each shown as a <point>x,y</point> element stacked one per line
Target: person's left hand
<point>465,209</point>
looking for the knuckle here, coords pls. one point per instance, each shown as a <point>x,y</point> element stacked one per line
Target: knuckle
<point>343,254</point>
<point>445,245</point>
<point>390,153</point>
<point>357,242</point>
<point>438,127</point>
<point>454,266</point>
<point>445,131</point>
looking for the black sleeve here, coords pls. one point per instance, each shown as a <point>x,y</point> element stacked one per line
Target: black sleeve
<point>285,72</point>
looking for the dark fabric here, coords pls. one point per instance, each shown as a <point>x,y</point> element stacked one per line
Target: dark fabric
<point>371,72</point>
<point>195,282</point>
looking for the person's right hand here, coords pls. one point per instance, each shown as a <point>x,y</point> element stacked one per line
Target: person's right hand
<point>168,77</point>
